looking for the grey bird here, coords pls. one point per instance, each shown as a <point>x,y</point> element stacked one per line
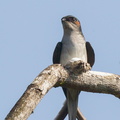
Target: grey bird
<point>72,47</point>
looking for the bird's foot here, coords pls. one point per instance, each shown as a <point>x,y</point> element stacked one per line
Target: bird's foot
<point>78,67</point>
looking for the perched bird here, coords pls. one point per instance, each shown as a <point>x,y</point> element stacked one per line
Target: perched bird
<point>72,47</point>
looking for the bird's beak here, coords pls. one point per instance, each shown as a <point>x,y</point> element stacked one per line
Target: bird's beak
<point>63,19</point>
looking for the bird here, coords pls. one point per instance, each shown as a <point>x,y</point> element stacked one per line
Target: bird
<point>73,47</point>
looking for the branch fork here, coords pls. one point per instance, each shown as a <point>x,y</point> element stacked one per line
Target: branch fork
<point>74,75</point>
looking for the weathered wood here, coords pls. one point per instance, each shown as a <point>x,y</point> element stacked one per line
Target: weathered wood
<point>69,76</point>
<point>35,92</point>
<point>96,82</point>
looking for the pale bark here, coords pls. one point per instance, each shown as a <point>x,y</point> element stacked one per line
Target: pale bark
<point>71,76</point>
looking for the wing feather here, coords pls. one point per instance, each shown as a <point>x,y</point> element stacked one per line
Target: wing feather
<point>90,54</point>
<point>57,53</point>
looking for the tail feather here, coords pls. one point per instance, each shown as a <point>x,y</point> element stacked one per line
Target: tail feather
<point>72,102</point>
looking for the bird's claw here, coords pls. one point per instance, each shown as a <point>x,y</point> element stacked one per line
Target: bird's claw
<point>78,67</point>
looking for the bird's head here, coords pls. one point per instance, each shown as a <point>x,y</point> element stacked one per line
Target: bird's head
<point>71,23</point>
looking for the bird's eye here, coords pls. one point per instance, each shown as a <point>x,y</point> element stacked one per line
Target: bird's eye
<point>74,19</point>
<point>70,19</point>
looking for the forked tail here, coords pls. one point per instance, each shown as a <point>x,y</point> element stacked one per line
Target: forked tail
<point>72,102</point>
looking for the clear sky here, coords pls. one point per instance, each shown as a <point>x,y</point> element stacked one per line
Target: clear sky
<point>29,32</point>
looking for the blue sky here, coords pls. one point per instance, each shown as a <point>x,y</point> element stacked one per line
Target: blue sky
<point>29,32</point>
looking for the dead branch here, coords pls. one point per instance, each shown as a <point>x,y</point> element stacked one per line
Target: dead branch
<point>72,76</point>
<point>64,111</point>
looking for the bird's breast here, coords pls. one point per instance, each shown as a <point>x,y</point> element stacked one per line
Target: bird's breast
<point>73,49</point>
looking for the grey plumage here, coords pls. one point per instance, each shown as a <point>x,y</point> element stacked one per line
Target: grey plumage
<point>72,47</point>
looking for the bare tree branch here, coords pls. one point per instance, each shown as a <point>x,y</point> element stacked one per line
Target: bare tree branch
<point>71,76</point>
<point>35,92</point>
<point>79,115</point>
<point>64,111</point>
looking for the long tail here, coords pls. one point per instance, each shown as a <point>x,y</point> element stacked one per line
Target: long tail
<point>72,102</point>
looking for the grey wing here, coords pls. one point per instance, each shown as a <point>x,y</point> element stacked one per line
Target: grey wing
<point>90,54</point>
<point>57,53</point>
